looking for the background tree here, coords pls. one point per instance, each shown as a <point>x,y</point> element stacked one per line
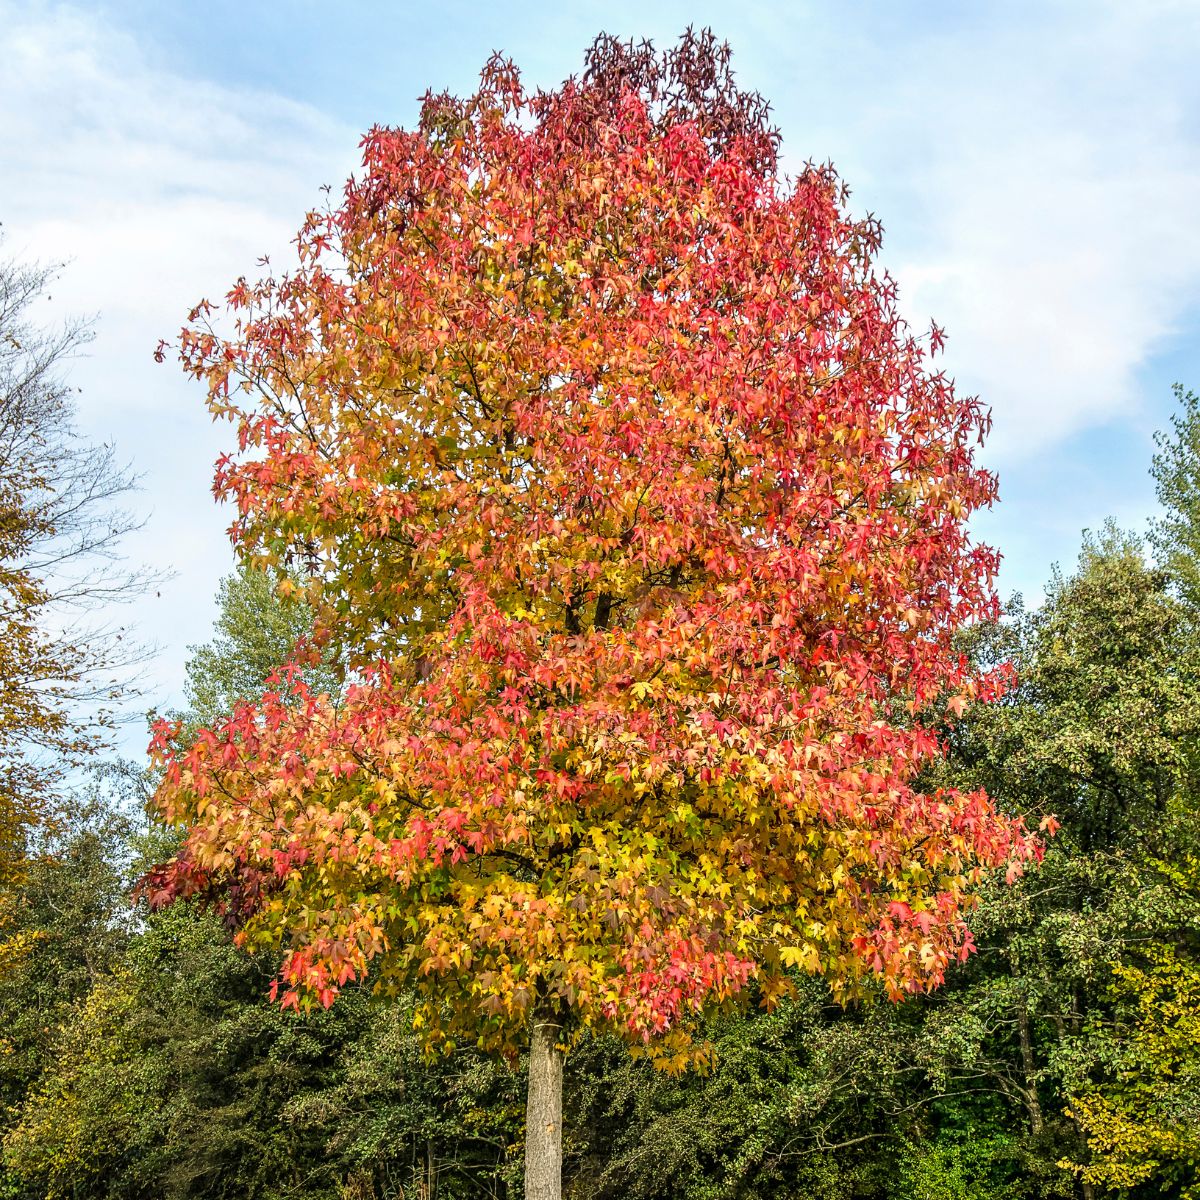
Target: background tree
<point>1101,730</point>
<point>1176,470</point>
<point>1142,1122</point>
<point>635,507</point>
<point>257,633</point>
<point>60,529</point>
<point>72,913</point>
<point>1140,1104</point>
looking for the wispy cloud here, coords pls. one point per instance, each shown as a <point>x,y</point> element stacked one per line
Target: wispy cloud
<point>155,190</point>
<point>1038,170</point>
<point>153,185</point>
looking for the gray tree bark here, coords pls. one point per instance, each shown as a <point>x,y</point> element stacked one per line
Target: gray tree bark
<point>543,1108</point>
<point>1029,1065</point>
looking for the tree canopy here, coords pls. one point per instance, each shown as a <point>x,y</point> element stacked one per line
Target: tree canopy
<point>622,486</point>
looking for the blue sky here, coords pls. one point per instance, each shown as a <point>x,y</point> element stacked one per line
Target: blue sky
<point>1036,167</point>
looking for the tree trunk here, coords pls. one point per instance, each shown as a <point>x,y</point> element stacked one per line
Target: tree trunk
<point>543,1109</point>
<point>431,1172</point>
<point>1029,1066</point>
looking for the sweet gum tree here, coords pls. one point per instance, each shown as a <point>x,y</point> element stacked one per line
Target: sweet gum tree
<point>638,518</point>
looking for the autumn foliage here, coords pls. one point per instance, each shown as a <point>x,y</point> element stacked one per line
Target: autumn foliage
<point>60,529</point>
<point>639,520</point>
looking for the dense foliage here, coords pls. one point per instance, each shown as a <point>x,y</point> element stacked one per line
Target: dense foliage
<point>637,509</point>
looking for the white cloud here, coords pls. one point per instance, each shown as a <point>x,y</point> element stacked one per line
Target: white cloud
<point>155,190</point>
<point>1038,172</point>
